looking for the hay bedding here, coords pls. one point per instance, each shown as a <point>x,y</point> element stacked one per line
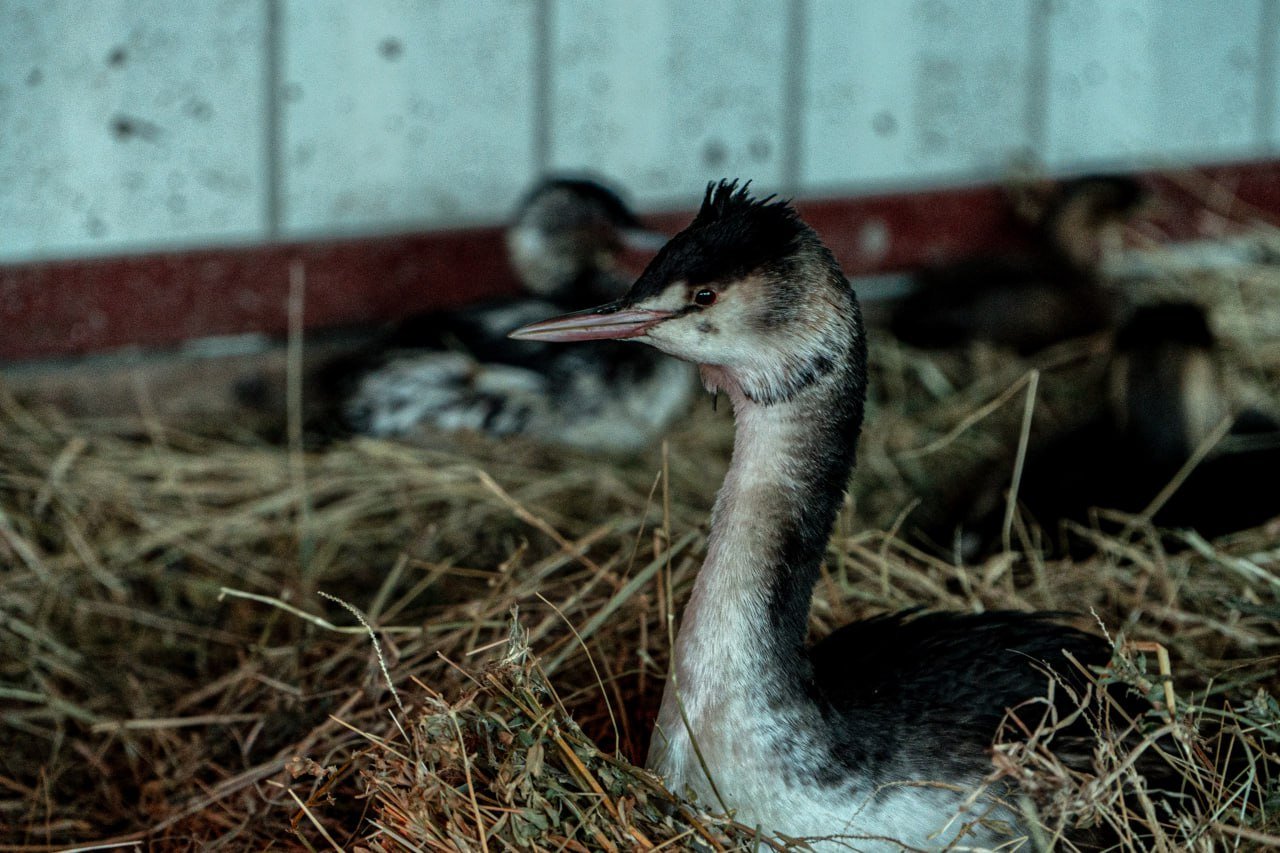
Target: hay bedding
<point>185,659</point>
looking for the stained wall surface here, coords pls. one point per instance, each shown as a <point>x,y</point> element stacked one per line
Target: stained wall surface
<point>135,125</point>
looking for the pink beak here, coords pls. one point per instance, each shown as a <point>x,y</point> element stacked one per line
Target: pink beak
<point>606,323</point>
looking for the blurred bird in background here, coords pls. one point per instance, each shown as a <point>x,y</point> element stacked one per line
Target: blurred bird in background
<point>1030,299</point>
<point>1167,400</point>
<point>457,370</point>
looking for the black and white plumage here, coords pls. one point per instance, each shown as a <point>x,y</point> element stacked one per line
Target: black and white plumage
<point>875,736</point>
<point>457,370</point>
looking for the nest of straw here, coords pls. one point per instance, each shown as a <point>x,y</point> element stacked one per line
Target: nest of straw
<point>209,641</point>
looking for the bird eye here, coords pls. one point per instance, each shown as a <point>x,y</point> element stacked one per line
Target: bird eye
<point>705,297</point>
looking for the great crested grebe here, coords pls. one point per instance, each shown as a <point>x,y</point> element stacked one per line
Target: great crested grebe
<point>1167,395</point>
<point>876,735</point>
<point>1028,300</point>
<point>457,370</point>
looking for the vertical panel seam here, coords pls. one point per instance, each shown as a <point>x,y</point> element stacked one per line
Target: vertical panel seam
<point>271,110</point>
<point>793,136</point>
<point>1268,77</point>
<point>542,71</point>
<point>1037,107</point>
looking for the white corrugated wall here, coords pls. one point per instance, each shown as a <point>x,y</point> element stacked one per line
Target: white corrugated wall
<point>129,125</point>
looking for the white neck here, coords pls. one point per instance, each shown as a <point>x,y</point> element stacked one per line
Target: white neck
<point>722,626</point>
<point>741,642</point>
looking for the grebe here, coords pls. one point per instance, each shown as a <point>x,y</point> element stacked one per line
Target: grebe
<point>875,736</point>
<point>1165,396</point>
<point>567,238</point>
<point>1028,300</point>
<point>458,370</point>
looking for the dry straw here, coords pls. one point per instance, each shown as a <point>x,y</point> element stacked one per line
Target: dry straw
<point>174,668</point>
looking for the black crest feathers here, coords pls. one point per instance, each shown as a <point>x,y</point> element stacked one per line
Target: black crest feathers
<point>732,236</point>
<point>725,201</point>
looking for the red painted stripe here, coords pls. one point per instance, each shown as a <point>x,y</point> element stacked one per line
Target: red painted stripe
<point>80,306</point>
<point>72,307</point>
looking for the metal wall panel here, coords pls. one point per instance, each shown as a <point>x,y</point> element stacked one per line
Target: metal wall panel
<point>127,125</point>
<point>1152,81</point>
<point>914,92</point>
<point>132,126</point>
<point>666,95</point>
<point>399,114</point>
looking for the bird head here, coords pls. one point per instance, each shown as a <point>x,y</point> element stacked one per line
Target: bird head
<point>567,232</point>
<point>747,291</point>
<point>1086,219</point>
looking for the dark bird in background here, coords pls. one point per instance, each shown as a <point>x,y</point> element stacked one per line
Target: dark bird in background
<point>457,370</point>
<point>882,730</point>
<point>567,237</point>
<point>1166,397</point>
<point>1032,299</point>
